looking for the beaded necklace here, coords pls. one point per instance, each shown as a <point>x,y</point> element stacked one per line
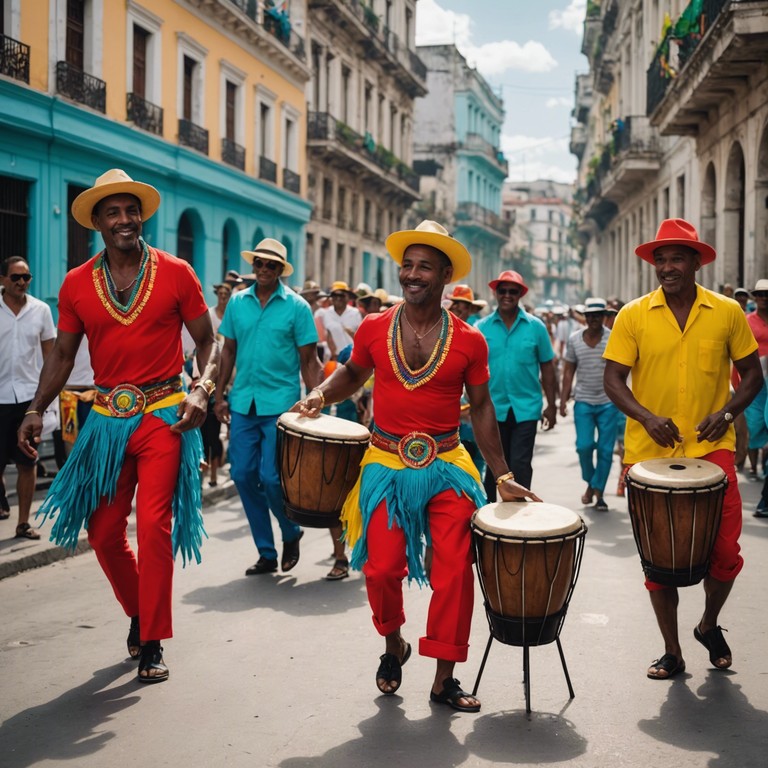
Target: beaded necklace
<point>411,379</point>
<point>125,313</point>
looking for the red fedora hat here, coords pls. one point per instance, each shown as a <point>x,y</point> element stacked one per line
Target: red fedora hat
<point>509,276</point>
<point>676,232</point>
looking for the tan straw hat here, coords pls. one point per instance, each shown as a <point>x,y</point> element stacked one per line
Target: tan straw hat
<point>433,234</point>
<point>114,182</point>
<point>270,249</point>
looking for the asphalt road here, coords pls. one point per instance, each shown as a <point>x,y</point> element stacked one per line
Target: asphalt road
<point>278,670</point>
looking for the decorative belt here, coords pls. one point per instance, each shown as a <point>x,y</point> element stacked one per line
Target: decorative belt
<point>126,400</point>
<point>416,449</point>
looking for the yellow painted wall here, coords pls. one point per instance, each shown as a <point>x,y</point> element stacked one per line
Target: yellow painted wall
<point>34,33</point>
<point>113,58</point>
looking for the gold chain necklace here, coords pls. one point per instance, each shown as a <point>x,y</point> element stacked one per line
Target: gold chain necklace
<point>421,336</point>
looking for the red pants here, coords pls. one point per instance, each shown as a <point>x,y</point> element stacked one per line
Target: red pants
<point>725,562</point>
<point>450,609</point>
<point>142,586</point>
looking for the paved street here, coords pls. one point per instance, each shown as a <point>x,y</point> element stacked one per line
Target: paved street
<point>278,671</point>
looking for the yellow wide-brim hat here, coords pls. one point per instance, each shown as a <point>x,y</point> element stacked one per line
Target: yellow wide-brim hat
<point>433,234</point>
<point>114,182</point>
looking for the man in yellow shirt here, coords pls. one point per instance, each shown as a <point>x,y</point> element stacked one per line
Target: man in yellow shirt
<point>678,342</point>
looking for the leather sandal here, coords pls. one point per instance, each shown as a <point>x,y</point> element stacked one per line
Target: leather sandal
<point>290,553</point>
<point>134,639</point>
<point>391,668</point>
<point>25,531</point>
<point>665,667</point>
<point>339,571</point>
<point>714,642</point>
<point>151,658</point>
<point>451,694</point>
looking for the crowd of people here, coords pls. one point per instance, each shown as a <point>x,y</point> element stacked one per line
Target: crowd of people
<point>452,388</point>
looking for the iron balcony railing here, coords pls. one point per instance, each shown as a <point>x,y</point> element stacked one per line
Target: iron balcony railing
<point>144,113</point>
<point>191,135</point>
<point>80,86</point>
<point>267,169</point>
<point>661,72</point>
<point>232,153</point>
<point>472,212</point>
<point>291,181</point>
<point>14,59</point>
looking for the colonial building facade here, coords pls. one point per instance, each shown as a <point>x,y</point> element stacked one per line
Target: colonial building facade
<point>204,100</point>
<point>672,121</point>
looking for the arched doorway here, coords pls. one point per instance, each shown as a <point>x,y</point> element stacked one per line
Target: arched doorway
<point>761,212</point>
<point>708,223</point>
<point>230,246</point>
<point>185,239</point>
<point>733,217</point>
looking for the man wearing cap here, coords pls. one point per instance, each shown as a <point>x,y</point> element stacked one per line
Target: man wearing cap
<point>340,319</point>
<point>417,482</point>
<point>270,337</point>
<point>141,435</point>
<point>522,364</point>
<point>677,342</point>
<point>593,411</point>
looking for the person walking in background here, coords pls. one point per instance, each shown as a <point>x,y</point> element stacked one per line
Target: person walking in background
<point>519,352</point>
<point>269,336</point>
<point>341,320</point>
<point>593,411</point>
<point>28,333</point>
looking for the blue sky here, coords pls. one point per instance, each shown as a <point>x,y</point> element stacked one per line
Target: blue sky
<point>529,50</point>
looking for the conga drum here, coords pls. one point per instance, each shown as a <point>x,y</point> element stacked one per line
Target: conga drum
<point>319,462</point>
<point>675,506</point>
<point>528,556</point>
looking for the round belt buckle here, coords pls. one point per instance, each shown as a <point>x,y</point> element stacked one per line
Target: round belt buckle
<point>126,401</point>
<point>417,450</point>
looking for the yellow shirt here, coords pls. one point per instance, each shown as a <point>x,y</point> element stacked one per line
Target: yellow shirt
<point>682,375</point>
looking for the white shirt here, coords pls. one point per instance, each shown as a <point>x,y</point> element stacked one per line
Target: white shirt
<point>21,353</point>
<point>82,373</point>
<point>335,325</point>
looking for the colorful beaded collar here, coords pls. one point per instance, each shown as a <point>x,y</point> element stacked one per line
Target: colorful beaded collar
<point>142,289</point>
<point>411,379</point>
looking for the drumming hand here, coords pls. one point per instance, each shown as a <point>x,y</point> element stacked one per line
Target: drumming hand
<point>712,428</point>
<point>509,490</point>
<point>192,411</point>
<point>663,431</point>
<point>311,405</point>
<point>221,411</point>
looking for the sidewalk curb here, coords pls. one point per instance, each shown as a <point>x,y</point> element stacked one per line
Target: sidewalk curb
<point>48,552</point>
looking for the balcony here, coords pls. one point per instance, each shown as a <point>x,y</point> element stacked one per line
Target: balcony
<point>474,215</point>
<point>476,144</point>
<point>583,98</point>
<point>144,114</point>
<point>232,153</point>
<point>604,74</point>
<point>191,135</point>
<point>14,59</point>
<point>267,169</point>
<point>705,62</point>
<point>291,181</point>
<point>338,145</point>
<point>578,140</point>
<point>377,40</point>
<point>81,87</point>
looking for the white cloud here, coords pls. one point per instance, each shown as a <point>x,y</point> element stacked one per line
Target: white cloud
<point>572,18</point>
<point>532,157</point>
<point>559,101</point>
<point>437,26</point>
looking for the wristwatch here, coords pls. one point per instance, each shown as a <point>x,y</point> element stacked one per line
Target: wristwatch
<point>206,384</point>
<point>728,416</point>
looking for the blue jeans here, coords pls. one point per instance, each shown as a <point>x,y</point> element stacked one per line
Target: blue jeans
<point>587,419</point>
<point>253,466</point>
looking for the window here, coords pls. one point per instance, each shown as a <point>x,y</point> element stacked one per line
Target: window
<point>231,81</point>
<point>408,26</point>
<point>140,39</point>
<point>290,138</point>
<point>265,129</point>
<point>367,108</point>
<point>14,217</point>
<point>143,49</point>
<point>346,74</point>
<point>230,97</point>
<point>75,34</point>
<point>191,91</point>
<point>185,244</point>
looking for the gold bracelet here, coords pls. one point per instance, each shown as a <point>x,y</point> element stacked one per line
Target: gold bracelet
<point>321,395</point>
<point>503,478</point>
<point>29,413</point>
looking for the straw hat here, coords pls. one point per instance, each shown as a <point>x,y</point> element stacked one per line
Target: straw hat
<point>462,293</point>
<point>270,250</point>
<point>114,182</point>
<point>510,276</point>
<point>676,232</point>
<point>310,286</point>
<point>340,285</point>
<point>433,234</point>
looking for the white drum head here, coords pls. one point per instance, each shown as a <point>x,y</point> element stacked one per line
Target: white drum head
<point>676,473</point>
<point>325,427</point>
<point>526,519</point>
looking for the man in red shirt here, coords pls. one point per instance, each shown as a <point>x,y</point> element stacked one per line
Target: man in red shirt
<point>131,301</point>
<point>417,481</point>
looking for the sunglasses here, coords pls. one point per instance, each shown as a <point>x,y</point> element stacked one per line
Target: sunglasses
<point>26,277</point>
<point>508,291</point>
<point>273,265</point>
<point>756,294</point>
<point>338,295</point>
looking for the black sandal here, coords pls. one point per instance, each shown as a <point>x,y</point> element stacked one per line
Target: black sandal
<point>391,668</point>
<point>151,658</point>
<point>134,638</point>
<point>714,642</point>
<point>25,531</point>
<point>668,664</point>
<point>451,694</point>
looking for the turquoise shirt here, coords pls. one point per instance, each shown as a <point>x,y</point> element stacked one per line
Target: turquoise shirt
<point>515,356</point>
<point>268,339</point>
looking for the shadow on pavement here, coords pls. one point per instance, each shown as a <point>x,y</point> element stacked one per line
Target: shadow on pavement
<point>717,719</point>
<point>71,726</point>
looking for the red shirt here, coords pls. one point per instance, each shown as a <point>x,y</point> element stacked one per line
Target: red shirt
<point>149,349</point>
<point>435,406</point>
